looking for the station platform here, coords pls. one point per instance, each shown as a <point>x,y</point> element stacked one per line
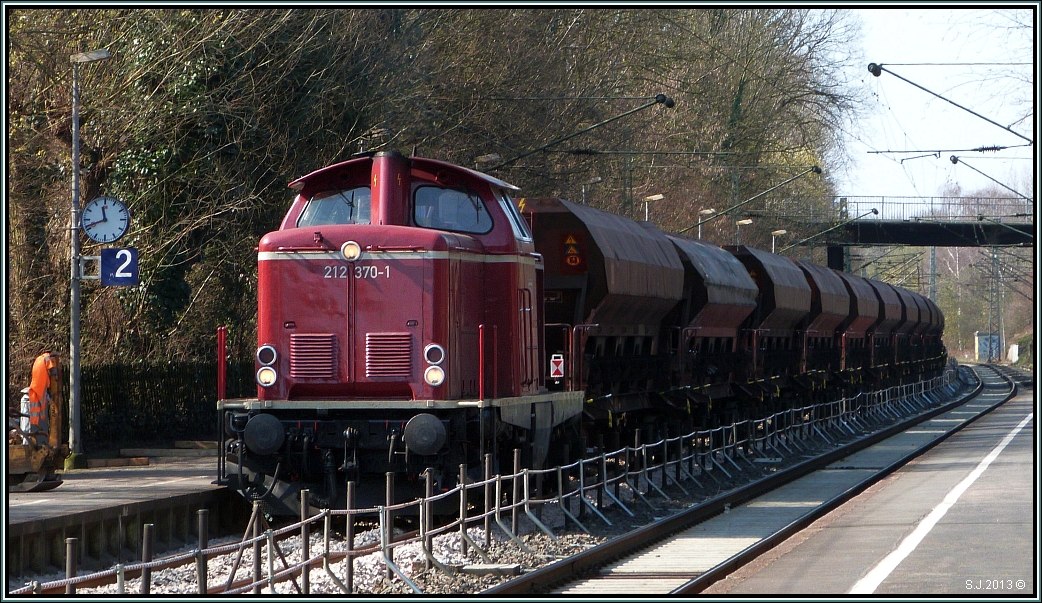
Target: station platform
<point>936,527</point>
<point>106,506</point>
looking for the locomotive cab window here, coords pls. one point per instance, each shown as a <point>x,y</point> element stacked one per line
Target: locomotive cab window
<point>337,207</point>
<point>517,223</point>
<point>450,209</point>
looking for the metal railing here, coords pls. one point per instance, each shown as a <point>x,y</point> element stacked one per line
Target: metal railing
<point>944,209</point>
<point>586,487</point>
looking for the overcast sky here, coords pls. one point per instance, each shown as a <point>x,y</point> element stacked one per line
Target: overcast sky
<point>903,117</point>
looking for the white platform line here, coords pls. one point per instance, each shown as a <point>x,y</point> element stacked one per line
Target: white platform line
<point>874,578</point>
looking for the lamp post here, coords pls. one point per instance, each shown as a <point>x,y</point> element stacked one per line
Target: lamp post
<point>648,200</point>
<point>706,213</point>
<point>594,180</point>
<point>75,446</point>
<point>738,228</point>
<point>774,237</point>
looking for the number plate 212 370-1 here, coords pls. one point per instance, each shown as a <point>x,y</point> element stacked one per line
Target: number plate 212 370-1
<point>341,271</point>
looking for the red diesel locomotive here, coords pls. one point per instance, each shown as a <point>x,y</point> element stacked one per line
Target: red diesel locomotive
<point>414,314</point>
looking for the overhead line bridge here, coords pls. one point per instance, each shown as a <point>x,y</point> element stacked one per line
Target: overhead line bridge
<point>913,221</point>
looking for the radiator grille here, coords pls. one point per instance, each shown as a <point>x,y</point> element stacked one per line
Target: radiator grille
<point>313,355</point>
<point>388,355</point>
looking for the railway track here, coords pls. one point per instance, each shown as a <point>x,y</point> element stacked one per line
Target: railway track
<point>744,510</point>
<point>685,553</point>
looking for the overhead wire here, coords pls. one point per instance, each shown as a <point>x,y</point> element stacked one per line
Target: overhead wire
<point>885,101</point>
<point>958,64</point>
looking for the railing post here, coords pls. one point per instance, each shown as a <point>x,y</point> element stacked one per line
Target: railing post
<point>200,562</point>
<point>426,524</point>
<point>305,542</point>
<point>603,489</point>
<point>257,548</point>
<point>148,544</point>
<point>463,508</point>
<point>488,500</point>
<point>582,476</point>
<point>72,549</point>
<point>516,482</point>
<point>349,536</point>
<point>390,522</point>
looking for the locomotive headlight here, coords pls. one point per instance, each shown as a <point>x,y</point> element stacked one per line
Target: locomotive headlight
<point>351,251</point>
<point>266,376</point>
<point>434,354</point>
<point>266,355</point>
<point>434,376</point>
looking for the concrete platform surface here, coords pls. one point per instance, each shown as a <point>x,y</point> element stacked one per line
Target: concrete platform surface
<point>103,487</point>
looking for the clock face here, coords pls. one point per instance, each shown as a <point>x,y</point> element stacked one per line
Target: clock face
<point>105,219</point>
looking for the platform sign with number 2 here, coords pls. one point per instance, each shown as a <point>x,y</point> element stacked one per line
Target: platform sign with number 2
<point>119,266</point>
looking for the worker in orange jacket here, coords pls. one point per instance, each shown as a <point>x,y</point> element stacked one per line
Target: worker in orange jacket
<point>39,395</point>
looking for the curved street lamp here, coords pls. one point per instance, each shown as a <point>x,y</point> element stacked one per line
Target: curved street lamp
<point>647,200</point>
<point>591,181</point>
<point>738,228</point>
<point>75,446</point>
<point>705,212</point>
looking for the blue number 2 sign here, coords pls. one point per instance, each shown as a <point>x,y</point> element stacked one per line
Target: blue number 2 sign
<point>119,266</point>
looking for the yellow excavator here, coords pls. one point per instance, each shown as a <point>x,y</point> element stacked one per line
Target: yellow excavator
<point>34,446</point>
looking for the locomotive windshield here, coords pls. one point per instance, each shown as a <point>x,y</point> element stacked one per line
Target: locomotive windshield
<point>450,209</point>
<point>337,207</point>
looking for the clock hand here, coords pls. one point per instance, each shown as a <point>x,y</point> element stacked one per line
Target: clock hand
<point>86,226</point>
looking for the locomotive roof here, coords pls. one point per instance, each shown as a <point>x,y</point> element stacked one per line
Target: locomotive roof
<point>428,165</point>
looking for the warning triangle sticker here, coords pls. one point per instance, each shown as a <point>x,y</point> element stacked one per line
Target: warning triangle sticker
<point>571,241</point>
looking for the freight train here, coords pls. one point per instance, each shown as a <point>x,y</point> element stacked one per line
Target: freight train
<point>414,314</point>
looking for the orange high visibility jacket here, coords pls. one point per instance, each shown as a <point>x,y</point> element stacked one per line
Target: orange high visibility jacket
<point>38,387</point>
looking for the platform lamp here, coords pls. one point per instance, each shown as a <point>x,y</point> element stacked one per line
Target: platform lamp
<point>75,460</point>
<point>482,160</point>
<point>648,200</point>
<point>774,237</point>
<point>738,228</point>
<point>705,213</point>
<point>591,181</point>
